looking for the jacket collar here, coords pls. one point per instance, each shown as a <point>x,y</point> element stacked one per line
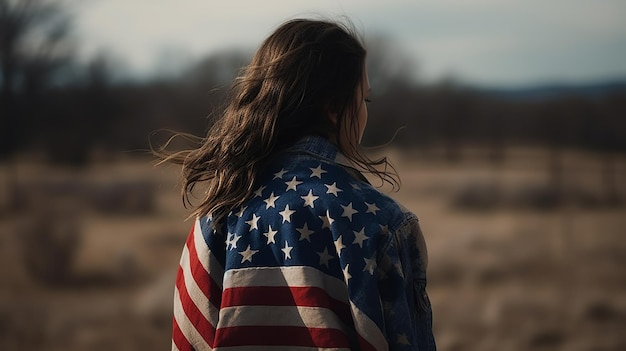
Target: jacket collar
<point>321,148</point>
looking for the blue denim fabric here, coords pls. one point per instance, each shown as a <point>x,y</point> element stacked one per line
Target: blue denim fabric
<point>404,311</point>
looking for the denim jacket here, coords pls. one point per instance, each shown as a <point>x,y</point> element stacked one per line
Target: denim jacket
<point>315,259</point>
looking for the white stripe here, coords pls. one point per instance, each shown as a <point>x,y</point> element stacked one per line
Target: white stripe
<point>297,316</point>
<point>206,258</point>
<point>293,276</point>
<point>368,329</point>
<point>174,348</point>
<point>189,331</point>
<point>207,309</point>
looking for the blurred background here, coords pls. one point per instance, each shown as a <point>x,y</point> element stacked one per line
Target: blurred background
<point>509,120</point>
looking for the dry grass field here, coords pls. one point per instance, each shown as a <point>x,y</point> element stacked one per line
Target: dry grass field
<point>87,257</point>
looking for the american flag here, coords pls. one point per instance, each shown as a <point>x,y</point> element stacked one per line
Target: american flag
<point>295,268</point>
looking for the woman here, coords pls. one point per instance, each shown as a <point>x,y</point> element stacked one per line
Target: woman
<point>291,247</point>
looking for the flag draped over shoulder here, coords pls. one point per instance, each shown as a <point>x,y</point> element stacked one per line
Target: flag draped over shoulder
<point>295,268</point>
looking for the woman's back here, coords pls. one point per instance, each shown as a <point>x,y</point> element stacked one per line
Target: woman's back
<point>298,263</point>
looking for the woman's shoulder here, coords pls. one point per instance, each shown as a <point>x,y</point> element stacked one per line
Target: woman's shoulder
<point>387,207</point>
<point>336,187</point>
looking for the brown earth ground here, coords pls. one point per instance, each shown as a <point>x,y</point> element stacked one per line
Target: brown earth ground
<point>87,257</point>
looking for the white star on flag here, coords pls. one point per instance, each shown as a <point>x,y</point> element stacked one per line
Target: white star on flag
<point>228,241</point>
<point>271,201</point>
<point>253,222</point>
<point>270,235</point>
<point>292,184</point>
<point>339,245</point>
<point>305,232</point>
<point>286,214</point>
<point>346,274</point>
<point>309,199</point>
<point>233,242</point>
<point>287,250</point>
<point>325,257</point>
<point>317,172</point>
<point>372,208</point>
<point>333,189</point>
<point>247,254</point>
<point>370,265</point>
<point>280,174</point>
<point>259,191</point>
<point>359,237</point>
<point>348,211</point>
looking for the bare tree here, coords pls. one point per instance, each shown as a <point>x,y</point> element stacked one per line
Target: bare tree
<point>34,43</point>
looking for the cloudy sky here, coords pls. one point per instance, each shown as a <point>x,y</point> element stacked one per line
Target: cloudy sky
<point>486,42</point>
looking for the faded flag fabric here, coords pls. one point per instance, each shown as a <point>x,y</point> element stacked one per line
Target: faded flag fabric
<point>316,259</point>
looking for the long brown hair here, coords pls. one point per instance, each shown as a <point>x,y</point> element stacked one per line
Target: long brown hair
<point>303,71</point>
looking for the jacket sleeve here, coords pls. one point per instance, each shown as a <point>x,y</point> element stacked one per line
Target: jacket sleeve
<point>197,295</point>
<point>402,284</point>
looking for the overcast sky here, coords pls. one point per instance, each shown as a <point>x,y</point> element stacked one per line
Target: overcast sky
<point>486,42</point>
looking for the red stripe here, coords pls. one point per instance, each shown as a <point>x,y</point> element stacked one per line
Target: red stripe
<point>365,345</point>
<point>204,327</point>
<point>281,335</point>
<point>179,339</point>
<point>308,296</point>
<point>206,283</point>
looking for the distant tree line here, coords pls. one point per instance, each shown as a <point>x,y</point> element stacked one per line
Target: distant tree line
<point>66,110</point>
<point>448,114</point>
